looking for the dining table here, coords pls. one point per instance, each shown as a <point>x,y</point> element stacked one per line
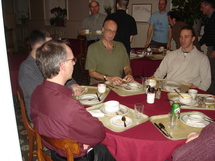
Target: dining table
<point>144,141</point>
<point>144,66</point>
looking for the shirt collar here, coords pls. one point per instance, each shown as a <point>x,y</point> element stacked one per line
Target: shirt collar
<point>58,87</point>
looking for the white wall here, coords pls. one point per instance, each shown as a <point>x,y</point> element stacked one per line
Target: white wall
<point>140,38</point>
<point>9,146</point>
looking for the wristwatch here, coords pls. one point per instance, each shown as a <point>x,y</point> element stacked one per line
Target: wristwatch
<point>105,76</point>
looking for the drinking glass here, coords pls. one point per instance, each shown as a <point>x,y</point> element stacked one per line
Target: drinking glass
<point>138,110</point>
<point>172,121</point>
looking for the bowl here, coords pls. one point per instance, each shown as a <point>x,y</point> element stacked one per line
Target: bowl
<point>98,31</point>
<point>187,99</point>
<point>111,106</point>
<point>151,82</point>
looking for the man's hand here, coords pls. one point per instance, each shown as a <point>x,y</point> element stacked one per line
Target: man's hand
<point>192,85</point>
<point>76,89</point>
<point>192,136</point>
<point>128,78</point>
<point>115,80</point>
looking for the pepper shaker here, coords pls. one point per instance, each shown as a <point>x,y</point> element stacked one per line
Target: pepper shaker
<point>158,93</point>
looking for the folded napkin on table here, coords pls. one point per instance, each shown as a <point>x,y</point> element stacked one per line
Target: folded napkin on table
<point>96,113</point>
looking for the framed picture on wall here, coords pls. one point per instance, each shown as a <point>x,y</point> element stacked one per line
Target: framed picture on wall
<point>141,12</point>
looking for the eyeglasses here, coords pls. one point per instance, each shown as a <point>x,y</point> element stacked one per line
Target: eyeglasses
<point>73,60</point>
<point>110,31</point>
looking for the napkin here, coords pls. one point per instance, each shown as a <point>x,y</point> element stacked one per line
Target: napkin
<point>96,113</point>
<point>195,122</point>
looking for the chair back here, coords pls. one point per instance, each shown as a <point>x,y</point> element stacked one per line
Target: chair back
<point>30,130</point>
<point>69,146</point>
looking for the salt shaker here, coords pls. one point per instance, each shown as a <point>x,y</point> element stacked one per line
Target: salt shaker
<point>151,95</point>
<point>158,93</point>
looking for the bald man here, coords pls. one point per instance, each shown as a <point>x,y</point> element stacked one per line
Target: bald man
<point>107,59</point>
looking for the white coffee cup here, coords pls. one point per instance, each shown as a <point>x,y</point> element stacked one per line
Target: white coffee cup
<point>87,31</point>
<point>193,93</point>
<point>161,49</point>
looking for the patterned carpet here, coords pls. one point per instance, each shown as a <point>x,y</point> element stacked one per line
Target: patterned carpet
<point>81,79</point>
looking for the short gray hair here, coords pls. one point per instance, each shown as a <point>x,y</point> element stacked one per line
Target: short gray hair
<point>49,56</point>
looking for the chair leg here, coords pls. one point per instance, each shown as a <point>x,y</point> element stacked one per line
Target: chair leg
<point>81,65</point>
<point>31,147</point>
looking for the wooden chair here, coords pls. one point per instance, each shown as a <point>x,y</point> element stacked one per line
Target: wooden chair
<point>27,45</point>
<point>83,51</point>
<point>28,127</point>
<point>69,146</point>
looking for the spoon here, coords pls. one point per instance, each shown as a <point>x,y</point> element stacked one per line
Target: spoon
<point>178,93</point>
<point>124,119</point>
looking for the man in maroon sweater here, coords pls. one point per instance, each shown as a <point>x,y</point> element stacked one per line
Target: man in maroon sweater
<point>56,114</point>
<point>198,146</point>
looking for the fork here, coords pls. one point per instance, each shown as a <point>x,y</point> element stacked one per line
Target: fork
<point>209,119</point>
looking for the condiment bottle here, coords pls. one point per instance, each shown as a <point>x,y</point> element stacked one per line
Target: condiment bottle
<point>151,95</point>
<point>158,93</point>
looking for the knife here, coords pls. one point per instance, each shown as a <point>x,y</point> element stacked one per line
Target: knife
<point>98,96</point>
<point>161,129</point>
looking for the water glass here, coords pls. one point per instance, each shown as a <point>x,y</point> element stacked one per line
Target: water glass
<point>172,121</point>
<point>138,110</point>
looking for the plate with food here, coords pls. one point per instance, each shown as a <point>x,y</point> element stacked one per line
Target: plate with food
<point>134,86</point>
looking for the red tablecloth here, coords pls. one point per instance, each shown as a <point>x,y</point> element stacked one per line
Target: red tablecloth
<point>144,67</point>
<point>143,142</point>
<point>14,61</point>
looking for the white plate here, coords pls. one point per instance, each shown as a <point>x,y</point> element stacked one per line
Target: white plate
<point>117,121</point>
<point>173,84</point>
<point>210,100</point>
<point>88,99</point>
<point>171,89</point>
<point>122,111</point>
<point>131,86</point>
<point>194,120</point>
<point>193,102</point>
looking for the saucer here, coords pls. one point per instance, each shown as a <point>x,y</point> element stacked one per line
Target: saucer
<point>117,121</point>
<point>88,99</point>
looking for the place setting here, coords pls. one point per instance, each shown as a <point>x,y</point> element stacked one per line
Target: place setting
<point>118,117</point>
<point>177,127</point>
<point>193,100</point>
<point>171,86</point>
<point>137,54</point>
<point>126,89</point>
<point>93,95</point>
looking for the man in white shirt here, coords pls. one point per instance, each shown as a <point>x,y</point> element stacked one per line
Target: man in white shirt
<point>186,64</point>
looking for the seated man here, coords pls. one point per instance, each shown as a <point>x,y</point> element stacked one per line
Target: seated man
<point>107,59</point>
<point>186,64</point>
<point>29,74</point>
<point>198,146</point>
<point>55,113</point>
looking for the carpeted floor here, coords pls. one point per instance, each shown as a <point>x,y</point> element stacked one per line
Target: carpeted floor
<point>80,77</point>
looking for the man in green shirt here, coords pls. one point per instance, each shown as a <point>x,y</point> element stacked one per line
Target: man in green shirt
<point>108,59</point>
